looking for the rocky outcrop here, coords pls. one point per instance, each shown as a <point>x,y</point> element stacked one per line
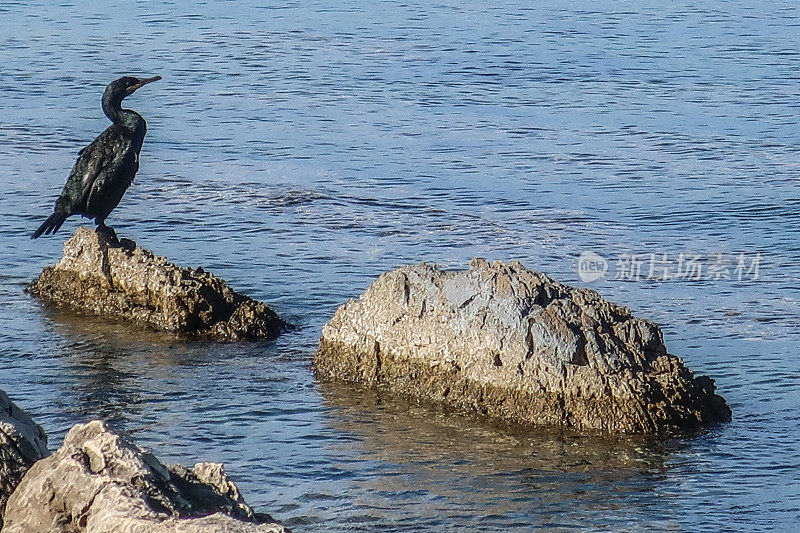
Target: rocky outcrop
<point>101,275</point>
<point>22,443</point>
<point>511,343</point>
<point>98,482</point>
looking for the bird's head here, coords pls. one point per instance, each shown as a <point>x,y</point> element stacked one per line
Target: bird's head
<point>125,86</point>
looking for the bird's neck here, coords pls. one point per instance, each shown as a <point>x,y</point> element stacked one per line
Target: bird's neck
<point>124,117</point>
<point>130,119</point>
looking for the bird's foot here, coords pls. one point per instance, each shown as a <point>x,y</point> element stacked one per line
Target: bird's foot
<point>108,231</point>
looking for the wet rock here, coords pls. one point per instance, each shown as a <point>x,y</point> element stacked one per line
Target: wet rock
<point>507,342</point>
<point>101,275</point>
<point>98,482</point>
<point>22,443</point>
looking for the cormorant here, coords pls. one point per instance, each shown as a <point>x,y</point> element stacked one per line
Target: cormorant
<point>105,168</point>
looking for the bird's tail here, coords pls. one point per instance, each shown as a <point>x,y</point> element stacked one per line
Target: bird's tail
<point>50,225</point>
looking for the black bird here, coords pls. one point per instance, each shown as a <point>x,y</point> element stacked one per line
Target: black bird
<point>105,168</point>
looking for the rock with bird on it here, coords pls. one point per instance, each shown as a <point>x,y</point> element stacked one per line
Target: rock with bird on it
<point>101,275</point>
<point>506,342</point>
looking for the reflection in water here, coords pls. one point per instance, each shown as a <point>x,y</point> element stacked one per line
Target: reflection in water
<point>434,461</point>
<point>106,363</point>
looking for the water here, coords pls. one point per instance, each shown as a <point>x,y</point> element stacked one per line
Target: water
<point>300,149</point>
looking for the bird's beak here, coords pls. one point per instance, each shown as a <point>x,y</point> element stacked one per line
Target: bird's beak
<point>142,83</point>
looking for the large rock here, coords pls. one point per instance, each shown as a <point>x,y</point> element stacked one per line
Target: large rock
<point>101,275</point>
<point>22,443</point>
<point>97,482</point>
<point>508,342</point>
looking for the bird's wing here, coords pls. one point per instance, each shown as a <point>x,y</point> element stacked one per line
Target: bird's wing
<point>96,164</point>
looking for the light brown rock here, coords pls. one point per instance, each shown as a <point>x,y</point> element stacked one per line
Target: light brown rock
<point>22,443</point>
<point>98,482</point>
<point>101,275</point>
<point>507,342</point>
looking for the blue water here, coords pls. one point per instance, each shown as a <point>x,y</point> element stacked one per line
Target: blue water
<point>298,150</point>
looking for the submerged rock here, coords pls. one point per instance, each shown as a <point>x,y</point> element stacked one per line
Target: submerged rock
<point>98,482</point>
<point>101,275</point>
<point>22,443</point>
<point>507,342</point>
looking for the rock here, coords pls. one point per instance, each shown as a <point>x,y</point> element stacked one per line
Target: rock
<point>98,482</point>
<point>22,443</point>
<point>101,275</point>
<point>507,342</point>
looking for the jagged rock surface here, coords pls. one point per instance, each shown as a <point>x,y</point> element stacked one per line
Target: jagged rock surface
<point>98,482</point>
<point>103,276</point>
<point>511,343</point>
<point>22,443</point>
